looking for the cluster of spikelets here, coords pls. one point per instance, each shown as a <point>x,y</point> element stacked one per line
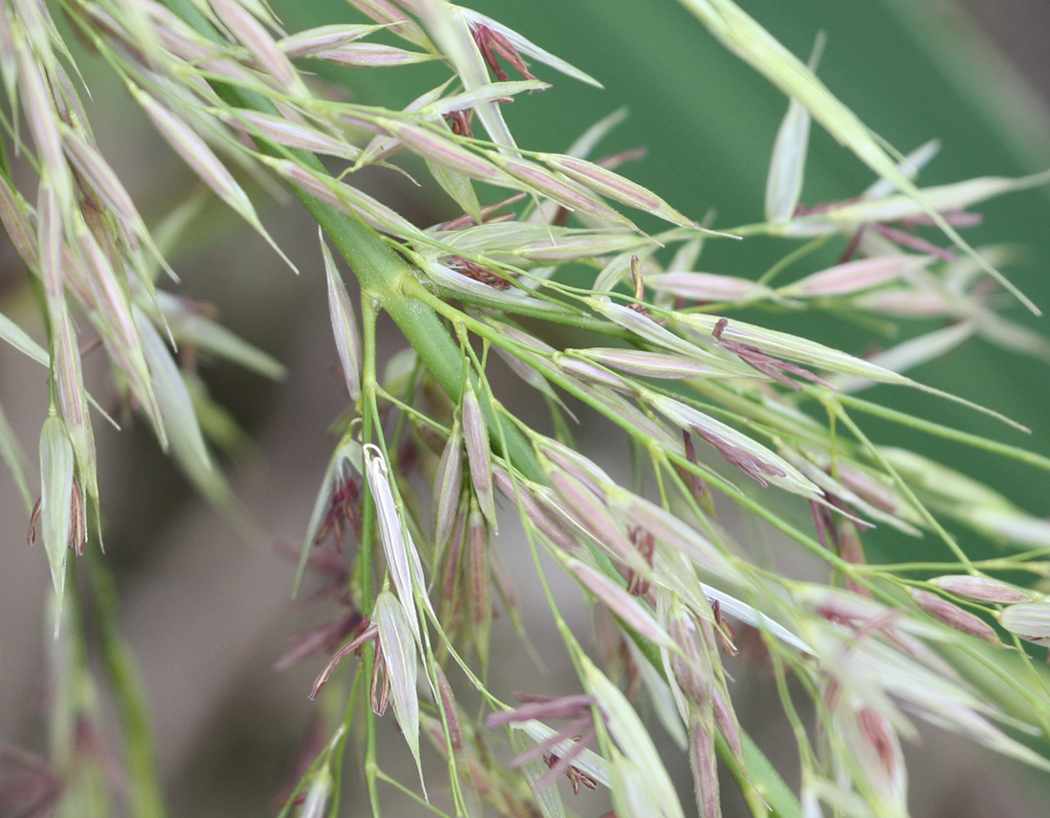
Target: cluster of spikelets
<point>714,409</point>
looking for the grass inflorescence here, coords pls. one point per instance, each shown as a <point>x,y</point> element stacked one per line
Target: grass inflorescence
<point>719,411</point>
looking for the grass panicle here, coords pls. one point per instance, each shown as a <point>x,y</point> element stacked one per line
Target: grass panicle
<point>727,415</point>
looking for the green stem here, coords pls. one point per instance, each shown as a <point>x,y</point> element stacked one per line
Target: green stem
<point>1004,449</point>
<point>336,760</point>
<point>411,794</point>
<point>877,455</point>
<point>795,255</point>
<point>368,421</point>
<point>5,163</point>
<point>364,562</point>
<point>1014,563</point>
<point>145,798</point>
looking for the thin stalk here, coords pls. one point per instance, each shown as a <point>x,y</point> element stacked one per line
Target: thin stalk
<point>930,427</point>
<point>805,748</point>
<point>411,794</point>
<point>340,747</point>
<point>576,320</point>
<point>796,254</point>
<point>902,484</point>
<point>999,564</point>
<point>419,417</point>
<point>145,797</point>
<point>5,162</point>
<point>410,395</point>
<point>365,559</point>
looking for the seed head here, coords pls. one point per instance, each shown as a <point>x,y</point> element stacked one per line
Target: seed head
<point>954,616</point>
<point>766,364</point>
<point>479,455</point>
<point>447,486</point>
<point>401,555</point>
<point>982,589</point>
<point>1029,620</point>
<point>344,325</point>
<point>492,42</point>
